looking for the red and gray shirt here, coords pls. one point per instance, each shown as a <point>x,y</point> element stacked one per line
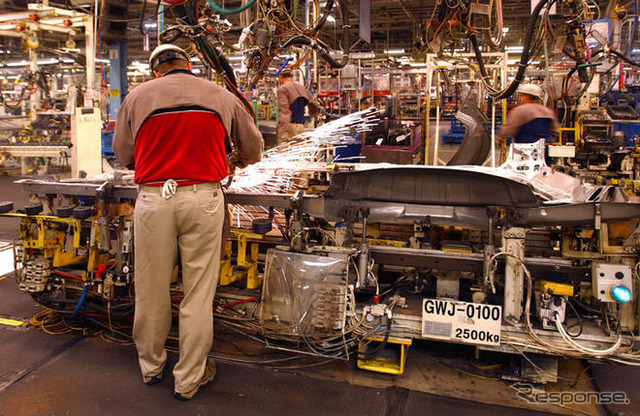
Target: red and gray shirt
<point>180,127</point>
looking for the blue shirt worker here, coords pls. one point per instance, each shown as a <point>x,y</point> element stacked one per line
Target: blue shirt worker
<point>292,100</point>
<point>530,121</point>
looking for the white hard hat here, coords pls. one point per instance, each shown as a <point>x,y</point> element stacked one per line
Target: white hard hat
<point>166,53</point>
<point>531,89</point>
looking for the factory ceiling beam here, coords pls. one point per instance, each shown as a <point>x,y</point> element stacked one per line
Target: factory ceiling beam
<point>406,11</point>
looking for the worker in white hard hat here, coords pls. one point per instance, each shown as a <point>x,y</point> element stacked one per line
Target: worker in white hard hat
<point>530,121</point>
<point>175,130</point>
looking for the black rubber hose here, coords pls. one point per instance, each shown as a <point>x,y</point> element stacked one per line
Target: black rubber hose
<point>524,59</point>
<point>476,50</point>
<point>224,65</point>
<point>583,74</point>
<point>144,10</point>
<point>325,15</point>
<point>579,321</point>
<point>624,58</point>
<point>332,62</point>
<point>220,62</point>
<point>373,353</point>
<point>321,49</point>
<point>298,40</point>
<point>216,59</point>
<point>143,17</point>
<point>345,36</point>
<point>322,52</point>
<point>170,35</point>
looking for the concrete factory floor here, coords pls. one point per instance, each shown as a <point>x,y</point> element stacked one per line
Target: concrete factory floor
<point>71,374</point>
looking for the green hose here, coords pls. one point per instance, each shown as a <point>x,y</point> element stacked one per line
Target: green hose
<point>220,10</point>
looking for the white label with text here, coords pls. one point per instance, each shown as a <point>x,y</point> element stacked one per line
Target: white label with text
<point>470,323</point>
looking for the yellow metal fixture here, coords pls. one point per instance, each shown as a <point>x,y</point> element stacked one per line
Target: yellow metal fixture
<point>389,360</point>
<point>558,289</point>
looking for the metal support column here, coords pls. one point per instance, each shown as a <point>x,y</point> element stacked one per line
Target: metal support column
<point>117,77</point>
<point>90,62</point>
<point>513,243</point>
<point>34,97</point>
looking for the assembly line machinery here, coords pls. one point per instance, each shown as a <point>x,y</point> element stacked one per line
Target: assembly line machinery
<point>49,120</point>
<point>520,259</point>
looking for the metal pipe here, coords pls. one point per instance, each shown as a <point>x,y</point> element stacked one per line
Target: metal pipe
<point>493,133</point>
<point>11,33</point>
<point>34,98</point>
<point>436,156</point>
<point>363,258</point>
<point>160,23</point>
<point>9,17</point>
<point>53,28</point>
<point>426,109</point>
<point>90,62</point>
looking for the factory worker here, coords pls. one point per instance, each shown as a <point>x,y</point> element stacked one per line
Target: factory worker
<point>174,130</point>
<point>292,100</point>
<point>530,121</point>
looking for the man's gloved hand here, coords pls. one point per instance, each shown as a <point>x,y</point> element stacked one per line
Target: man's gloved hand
<point>234,161</point>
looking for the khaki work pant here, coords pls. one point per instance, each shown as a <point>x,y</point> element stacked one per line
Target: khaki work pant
<point>189,222</point>
<point>294,130</point>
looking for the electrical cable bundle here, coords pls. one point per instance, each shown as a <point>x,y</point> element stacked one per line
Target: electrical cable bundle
<point>275,30</point>
<point>213,57</point>
<point>318,46</point>
<point>449,15</point>
<point>451,30</point>
<point>615,352</point>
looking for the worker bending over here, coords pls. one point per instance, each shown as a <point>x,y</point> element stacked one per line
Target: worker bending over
<point>292,100</point>
<point>175,130</point>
